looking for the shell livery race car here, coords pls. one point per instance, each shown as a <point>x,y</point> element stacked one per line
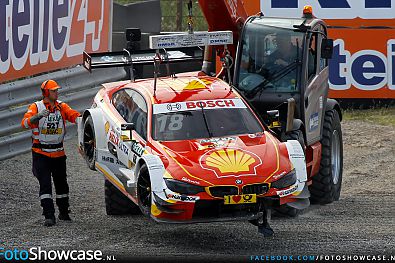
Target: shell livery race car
<point>189,149</point>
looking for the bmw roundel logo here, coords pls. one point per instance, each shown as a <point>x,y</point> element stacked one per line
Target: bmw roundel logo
<point>239,181</point>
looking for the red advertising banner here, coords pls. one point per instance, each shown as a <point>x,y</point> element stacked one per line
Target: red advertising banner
<point>44,35</point>
<point>363,65</point>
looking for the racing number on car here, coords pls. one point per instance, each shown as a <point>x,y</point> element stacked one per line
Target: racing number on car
<point>174,124</point>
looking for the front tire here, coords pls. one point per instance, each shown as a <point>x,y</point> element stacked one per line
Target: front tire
<point>116,202</point>
<point>89,141</point>
<point>144,191</point>
<point>326,184</point>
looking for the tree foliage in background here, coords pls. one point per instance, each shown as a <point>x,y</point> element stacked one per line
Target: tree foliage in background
<point>175,14</point>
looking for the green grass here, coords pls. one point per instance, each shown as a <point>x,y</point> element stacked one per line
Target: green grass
<point>384,116</point>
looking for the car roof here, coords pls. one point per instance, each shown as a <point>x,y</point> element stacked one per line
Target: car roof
<point>184,88</point>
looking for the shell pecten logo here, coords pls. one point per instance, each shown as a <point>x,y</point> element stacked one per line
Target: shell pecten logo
<point>197,84</point>
<point>178,85</point>
<point>230,162</point>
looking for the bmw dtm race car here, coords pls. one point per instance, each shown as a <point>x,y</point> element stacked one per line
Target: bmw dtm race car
<point>189,149</point>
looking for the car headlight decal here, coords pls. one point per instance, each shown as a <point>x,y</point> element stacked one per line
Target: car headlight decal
<point>183,187</point>
<point>285,181</point>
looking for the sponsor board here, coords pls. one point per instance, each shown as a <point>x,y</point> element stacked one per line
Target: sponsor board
<point>42,35</point>
<point>361,68</point>
<point>331,9</point>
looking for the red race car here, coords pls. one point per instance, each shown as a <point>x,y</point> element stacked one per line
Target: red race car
<point>189,149</point>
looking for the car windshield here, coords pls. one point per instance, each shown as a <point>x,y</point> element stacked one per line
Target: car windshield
<point>203,123</point>
<point>270,58</point>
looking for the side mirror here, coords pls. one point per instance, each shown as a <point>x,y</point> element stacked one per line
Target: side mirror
<point>327,48</point>
<point>127,127</point>
<point>274,119</point>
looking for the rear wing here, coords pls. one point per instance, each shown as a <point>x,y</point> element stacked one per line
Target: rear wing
<point>141,57</point>
<point>165,48</point>
<point>106,60</point>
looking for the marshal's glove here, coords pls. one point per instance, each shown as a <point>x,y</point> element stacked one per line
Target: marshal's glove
<point>38,116</point>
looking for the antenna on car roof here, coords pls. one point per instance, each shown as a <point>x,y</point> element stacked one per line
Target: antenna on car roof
<point>157,60</point>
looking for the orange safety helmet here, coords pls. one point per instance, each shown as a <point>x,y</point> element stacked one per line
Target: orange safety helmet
<point>48,85</point>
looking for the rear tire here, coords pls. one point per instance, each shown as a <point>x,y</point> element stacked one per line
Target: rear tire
<point>89,142</point>
<point>326,184</point>
<point>285,210</point>
<point>116,202</point>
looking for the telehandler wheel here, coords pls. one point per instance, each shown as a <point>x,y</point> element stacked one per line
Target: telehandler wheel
<point>285,210</point>
<point>326,184</point>
<point>89,141</point>
<point>116,202</point>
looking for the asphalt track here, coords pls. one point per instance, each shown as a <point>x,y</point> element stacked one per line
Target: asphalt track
<point>362,222</point>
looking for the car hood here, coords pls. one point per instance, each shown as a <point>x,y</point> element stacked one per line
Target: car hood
<point>252,158</point>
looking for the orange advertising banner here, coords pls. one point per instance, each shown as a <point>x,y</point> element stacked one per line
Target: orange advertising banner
<point>44,35</point>
<point>363,63</point>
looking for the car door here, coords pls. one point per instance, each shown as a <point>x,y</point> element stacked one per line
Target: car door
<point>317,86</point>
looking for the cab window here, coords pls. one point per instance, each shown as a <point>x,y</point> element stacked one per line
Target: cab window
<point>312,56</point>
<point>323,61</point>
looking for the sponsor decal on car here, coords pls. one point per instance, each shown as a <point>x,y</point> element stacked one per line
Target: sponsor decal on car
<point>189,180</point>
<point>198,105</point>
<point>137,148</point>
<point>256,135</point>
<point>230,162</point>
<point>108,159</point>
<point>114,137</point>
<point>107,127</point>
<point>219,141</point>
<point>289,191</point>
<point>278,176</point>
<point>177,85</point>
<point>182,197</point>
<point>239,199</point>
